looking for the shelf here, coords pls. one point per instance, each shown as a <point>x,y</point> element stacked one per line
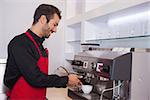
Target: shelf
<point>93,4</point>
<point>132,21</point>
<point>3,61</point>
<point>75,26</point>
<point>96,28</point>
<point>136,41</point>
<point>111,7</point>
<point>74,20</point>
<point>74,41</point>
<point>74,7</point>
<point>73,32</point>
<point>131,37</point>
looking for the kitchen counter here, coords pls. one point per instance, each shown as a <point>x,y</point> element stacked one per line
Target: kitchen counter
<point>57,94</point>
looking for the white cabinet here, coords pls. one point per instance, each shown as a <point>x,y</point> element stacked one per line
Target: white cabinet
<point>93,4</point>
<point>73,38</point>
<point>73,32</point>
<point>2,70</point>
<point>2,87</point>
<point>140,76</point>
<point>74,8</point>
<point>96,28</point>
<point>111,23</point>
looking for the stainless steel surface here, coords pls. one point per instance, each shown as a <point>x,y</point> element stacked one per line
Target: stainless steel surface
<point>134,88</point>
<point>85,64</point>
<point>61,71</point>
<point>109,64</point>
<point>101,68</point>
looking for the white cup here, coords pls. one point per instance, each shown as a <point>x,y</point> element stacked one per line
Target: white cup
<point>86,88</point>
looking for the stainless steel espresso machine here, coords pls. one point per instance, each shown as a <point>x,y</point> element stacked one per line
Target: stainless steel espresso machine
<point>109,72</point>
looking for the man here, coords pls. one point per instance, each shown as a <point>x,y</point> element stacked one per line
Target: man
<point>26,72</point>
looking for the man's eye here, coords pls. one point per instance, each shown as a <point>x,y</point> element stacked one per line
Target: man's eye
<point>55,24</point>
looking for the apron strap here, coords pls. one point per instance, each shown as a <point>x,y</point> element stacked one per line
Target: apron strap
<point>31,38</point>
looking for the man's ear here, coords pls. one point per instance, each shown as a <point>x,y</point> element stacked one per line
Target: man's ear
<point>43,19</point>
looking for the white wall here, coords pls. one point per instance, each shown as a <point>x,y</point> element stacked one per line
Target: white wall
<point>1,38</point>
<point>16,17</point>
<point>55,43</point>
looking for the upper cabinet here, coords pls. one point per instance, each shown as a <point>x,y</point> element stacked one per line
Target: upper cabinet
<point>131,21</point>
<point>94,4</point>
<point>104,20</point>
<point>74,8</point>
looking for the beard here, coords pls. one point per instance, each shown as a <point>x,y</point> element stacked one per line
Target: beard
<point>46,32</point>
<point>46,35</point>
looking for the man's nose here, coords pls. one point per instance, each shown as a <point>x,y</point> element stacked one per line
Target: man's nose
<point>54,29</point>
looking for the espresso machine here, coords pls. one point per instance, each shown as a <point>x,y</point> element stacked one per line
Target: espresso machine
<point>108,71</point>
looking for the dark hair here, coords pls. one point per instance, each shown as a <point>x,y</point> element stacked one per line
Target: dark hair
<point>47,10</point>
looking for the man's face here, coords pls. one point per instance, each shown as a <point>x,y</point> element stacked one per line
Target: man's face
<point>51,26</point>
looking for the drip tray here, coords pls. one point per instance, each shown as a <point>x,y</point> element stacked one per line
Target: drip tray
<point>81,96</point>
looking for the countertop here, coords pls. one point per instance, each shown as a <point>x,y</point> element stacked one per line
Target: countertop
<point>57,94</point>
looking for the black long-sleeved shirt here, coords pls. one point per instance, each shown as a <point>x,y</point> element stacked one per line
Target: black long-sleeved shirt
<point>22,61</point>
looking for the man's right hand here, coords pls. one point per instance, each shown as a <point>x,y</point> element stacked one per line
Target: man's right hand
<point>73,80</point>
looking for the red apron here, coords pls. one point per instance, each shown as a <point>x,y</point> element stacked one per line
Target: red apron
<point>23,90</point>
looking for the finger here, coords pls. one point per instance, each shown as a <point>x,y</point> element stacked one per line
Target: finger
<point>80,76</point>
<point>80,83</point>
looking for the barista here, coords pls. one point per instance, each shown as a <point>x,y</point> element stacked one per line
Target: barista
<point>26,72</point>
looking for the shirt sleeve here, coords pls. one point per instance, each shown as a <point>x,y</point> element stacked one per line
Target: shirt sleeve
<point>28,68</point>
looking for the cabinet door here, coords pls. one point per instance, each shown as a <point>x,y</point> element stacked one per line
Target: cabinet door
<point>140,76</point>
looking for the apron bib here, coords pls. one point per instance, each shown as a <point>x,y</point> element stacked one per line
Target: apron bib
<point>23,90</point>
